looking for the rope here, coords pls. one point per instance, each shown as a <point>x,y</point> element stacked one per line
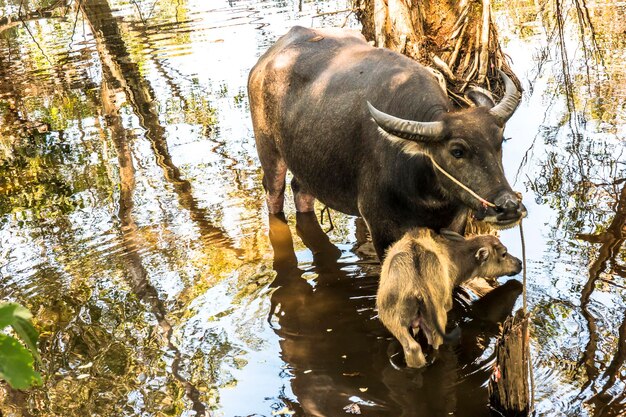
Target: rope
<point>521,235</point>
<point>460,184</point>
<point>327,210</point>
<point>524,307</point>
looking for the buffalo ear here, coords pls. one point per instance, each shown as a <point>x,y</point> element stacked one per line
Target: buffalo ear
<point>449,234</point>
<point>480,97</point>
<point>482,254</point>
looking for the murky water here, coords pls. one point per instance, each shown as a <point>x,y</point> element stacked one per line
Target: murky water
<point>132,223</point>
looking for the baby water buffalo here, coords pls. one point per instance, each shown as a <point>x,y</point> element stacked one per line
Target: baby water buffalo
<point>418,276</point>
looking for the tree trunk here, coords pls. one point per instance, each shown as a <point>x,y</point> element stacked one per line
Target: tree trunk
<point>509,391</point>
<point>456,39</point>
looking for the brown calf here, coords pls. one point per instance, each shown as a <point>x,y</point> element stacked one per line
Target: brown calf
<point>418,276</point>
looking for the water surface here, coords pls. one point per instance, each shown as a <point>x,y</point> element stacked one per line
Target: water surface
<point>133,225</point>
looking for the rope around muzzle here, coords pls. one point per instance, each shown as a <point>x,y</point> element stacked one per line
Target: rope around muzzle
<point>483,201</point>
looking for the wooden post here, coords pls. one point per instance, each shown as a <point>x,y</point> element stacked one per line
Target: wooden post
<point>509,392</point>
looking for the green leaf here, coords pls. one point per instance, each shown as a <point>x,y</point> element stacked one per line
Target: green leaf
<point>16,364</point>
<point>29,336</point>
<point>10,311</point>
<point>18,317</point>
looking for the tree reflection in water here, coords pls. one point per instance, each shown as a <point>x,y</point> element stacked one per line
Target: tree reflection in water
<point>579,172</point>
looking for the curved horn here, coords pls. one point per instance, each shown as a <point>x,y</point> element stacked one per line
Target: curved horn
<point>505,108</point>
<point>407,129</point>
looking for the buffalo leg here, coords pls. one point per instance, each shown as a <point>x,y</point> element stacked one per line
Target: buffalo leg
<point>382,240</point>
<point>459,222</point>
<point>314,238</point>
<point>442,318</point>
<point>274,173</point>
<point>384,232</point>
<point>304,201</point>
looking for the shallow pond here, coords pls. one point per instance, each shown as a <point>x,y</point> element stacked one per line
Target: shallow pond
<point>133,223</point>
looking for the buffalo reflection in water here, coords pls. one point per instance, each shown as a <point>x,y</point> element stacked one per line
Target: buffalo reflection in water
<point>338,353</point>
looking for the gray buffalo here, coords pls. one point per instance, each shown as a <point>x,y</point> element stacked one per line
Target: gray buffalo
<point>310,96</point>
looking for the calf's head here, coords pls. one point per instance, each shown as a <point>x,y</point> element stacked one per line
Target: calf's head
<point>489,257</point>
<point>468,145</point>
<point>492,258</point>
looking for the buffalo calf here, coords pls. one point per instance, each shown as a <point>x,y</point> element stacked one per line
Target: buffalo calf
<point>417,279</point>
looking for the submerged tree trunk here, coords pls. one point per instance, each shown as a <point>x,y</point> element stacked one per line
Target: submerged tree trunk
<point>509,390</point>
<point>125,74</point>
<point>457,39</point>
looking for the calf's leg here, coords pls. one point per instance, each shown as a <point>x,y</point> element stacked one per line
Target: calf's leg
<point>412,351</point>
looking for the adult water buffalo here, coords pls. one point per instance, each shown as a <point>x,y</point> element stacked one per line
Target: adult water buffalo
<point>309,97</point>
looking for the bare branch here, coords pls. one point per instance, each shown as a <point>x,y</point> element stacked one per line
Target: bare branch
<point>484,42</point>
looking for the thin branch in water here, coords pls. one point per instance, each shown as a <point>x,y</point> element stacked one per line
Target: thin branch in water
<point>134,2</point>
<point>532,145</point>
<point>615,284</point>
<point>352,10</point>
<point>345,21</point>
<point>75,22</point>
<point>567,77</point>
<point>68,6</point>
<point>19,13</point>
<point>152,9</point>
<point>330,221</point>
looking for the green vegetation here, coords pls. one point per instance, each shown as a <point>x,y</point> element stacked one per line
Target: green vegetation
<point>17,359</point>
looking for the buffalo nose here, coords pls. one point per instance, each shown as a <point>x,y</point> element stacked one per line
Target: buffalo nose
<point>508,206</point>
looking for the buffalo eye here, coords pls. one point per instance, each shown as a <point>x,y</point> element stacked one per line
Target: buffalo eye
<point>457,153</point>
<point>504,254</point>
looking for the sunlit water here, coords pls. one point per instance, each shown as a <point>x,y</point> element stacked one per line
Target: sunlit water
<point>133,225</point>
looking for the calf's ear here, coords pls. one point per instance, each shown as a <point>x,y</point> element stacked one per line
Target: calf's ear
<point>449,234</point>
<point>482,254</point>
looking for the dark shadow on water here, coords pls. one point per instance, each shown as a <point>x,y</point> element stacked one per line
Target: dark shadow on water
<point>338,353</point>
<point>611,241</point>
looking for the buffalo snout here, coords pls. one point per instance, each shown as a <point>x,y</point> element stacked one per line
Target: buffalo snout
<point>507,212</point>
<point>508,207</point>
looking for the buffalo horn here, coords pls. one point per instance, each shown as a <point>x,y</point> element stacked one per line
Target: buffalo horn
<point>407,129</point>
<point>505,108</point>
